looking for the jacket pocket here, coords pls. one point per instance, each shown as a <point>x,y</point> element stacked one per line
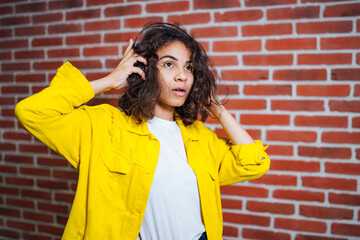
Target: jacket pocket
<point>117,172</point>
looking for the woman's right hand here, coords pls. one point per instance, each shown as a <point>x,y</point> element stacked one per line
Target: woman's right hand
<point>117,79</point>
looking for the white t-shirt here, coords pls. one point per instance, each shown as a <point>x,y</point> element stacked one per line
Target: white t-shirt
<point>173,208</point>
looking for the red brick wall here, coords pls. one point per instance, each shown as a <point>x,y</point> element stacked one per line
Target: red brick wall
<point>291,69</point>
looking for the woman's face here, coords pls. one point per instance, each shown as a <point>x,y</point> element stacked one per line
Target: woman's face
<point>175,75</point>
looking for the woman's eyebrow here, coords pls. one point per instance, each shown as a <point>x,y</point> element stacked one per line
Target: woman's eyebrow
<point>174,58</point>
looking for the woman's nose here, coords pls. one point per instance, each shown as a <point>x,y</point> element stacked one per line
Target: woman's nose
<point>180,76</point>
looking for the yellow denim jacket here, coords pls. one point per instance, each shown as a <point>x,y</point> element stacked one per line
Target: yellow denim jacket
<point>116,159</point>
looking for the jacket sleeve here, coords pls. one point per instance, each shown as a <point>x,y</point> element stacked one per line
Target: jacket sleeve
<point>54,117</point>
<point>237,163</point>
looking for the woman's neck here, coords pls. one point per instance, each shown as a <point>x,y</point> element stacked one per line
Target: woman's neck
<point>164,112</point>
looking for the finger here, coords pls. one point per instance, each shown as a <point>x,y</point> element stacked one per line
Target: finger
<point>140,72</point>
<point>141,59</point>
<point>129,47</point>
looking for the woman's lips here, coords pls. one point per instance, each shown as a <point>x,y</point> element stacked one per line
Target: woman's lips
<point>179,92</point>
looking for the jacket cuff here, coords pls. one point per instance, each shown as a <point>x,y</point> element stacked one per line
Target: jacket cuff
<point>250,154</point>
<point>76,80</point>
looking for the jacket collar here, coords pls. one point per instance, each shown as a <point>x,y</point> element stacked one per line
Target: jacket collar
<point>188,132</point>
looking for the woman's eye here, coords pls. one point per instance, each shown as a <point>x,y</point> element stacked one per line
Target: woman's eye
<point>189,68</point>
<point>167,64</point>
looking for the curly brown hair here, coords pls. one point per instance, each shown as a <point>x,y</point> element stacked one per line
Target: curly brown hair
<point>141,96</point>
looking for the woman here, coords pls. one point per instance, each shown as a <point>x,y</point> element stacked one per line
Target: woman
<point>149,170</point>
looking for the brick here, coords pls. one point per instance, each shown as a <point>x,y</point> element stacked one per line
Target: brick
<point>239,16</point>
<point>266,120</point>
<point>36,194</point>
<point>47,18</point>
<point>64,4</point>
<point>29,31</point>
<point>291,44</point>
<point>140,21</point>
<point>270,207</point>
<point>311,237</point>
<point>264,235</point>
<point>245,75</point>
<point>345,74</point>
<point>83,39</point>
<point>20,225</point>
<point>8,77</point>
<point>6,10</point>
<point>323,90</point>
<point>191,18</point>
<point>300,225</point>
<point>267,30</point>
<point>7,146</point>
<point>5,56</point>
<point>10,44</point>
<point>5,232</point>
<point>326,212</point>
<point>9,191</point>
<point>342,10</point>
<point>11,21</point>
<point>299,195</point>
<point>294,165</point>
<point>325,152</point>
<point>321,121</point>
<point>207,32</point>
<point>47,42</point>
<point>7,124</point>
<point>52,162</point>
<point>246,219</point>
<point>52,184</point>
<point>119,37</point>
<point>30,7</point>
<point>237,46</point>
<point>341,137</point>
<point>176,6</point>
<point>31,54</point>
<point>31,236</point>
<point>47,65</point>
<point>246,104</point>
<point>64,28</point>
<point>231,203</point>
<point>55,208</point>
<point>224,60</point>
<point>204,4</point>
<point>7,101</point>
<point>120,11</point>
<point>325,59</point>
<point>34,171</point>
<point>346,229</point>
<point>20,203</point>
<point>42,217</point>
<point>104,2</point>
<point>51,229</point>
<point>356,122</point>
<point>16,89</point>
<point>329,183</point>
<point>63,53</point>
<point>102,25</point>
<point>271,179</point>
<point>9,212</point>
<point>282,150</point>
<point>227,89</point>
<point>297,105</point>
<point>100,51</point>
<point>344,199</point>
<point>20,181</point>
<point>338,43</point>
<point>324,27</point>
<point>230,231</point>
<point>344,106</point>
<point>300,74</point>
<point>293,13</point>
<point>83,14</point>
<point>255,3</point>
<point>268,90</point>
<point>245,191</point>
<point>291,136</point>
<point>87,64</point>
<point>64,197</point>
<point>268,60</point>
<point>62,174</point>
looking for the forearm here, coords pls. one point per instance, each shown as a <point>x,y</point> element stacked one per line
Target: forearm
<point>101,85</point>
<point>234,130</point>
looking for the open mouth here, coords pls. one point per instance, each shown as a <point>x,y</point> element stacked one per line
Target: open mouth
<point>179,91</point>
